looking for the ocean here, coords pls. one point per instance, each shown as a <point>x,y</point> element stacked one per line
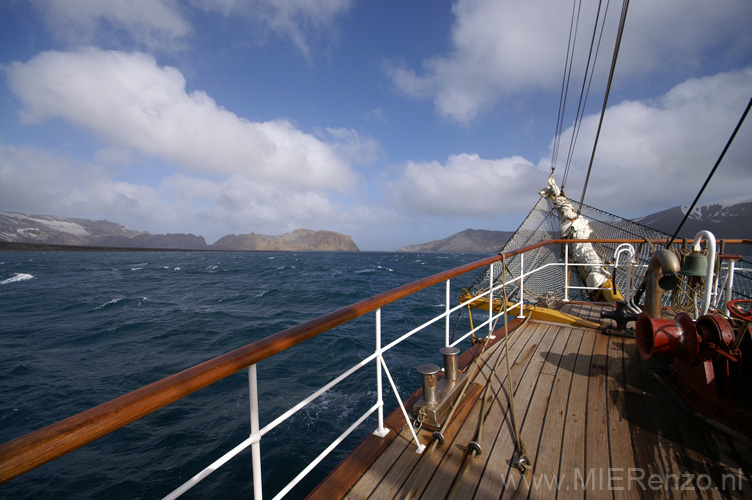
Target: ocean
<point>79,329</point>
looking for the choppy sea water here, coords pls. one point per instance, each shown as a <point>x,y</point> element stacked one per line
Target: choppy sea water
<point>79,329</point>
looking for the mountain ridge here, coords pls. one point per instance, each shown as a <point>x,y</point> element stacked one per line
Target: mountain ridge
<point>726,219</point>
<point>469,240</point>
<point>25,229</point>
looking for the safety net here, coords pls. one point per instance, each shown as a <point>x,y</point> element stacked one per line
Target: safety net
<point>542,223</point>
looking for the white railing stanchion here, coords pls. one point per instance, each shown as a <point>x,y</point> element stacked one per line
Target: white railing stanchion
<point>380,431</point>
<point>490,301</point>
<point>420,447</point>
<point>255,435</point>
<point>566,273</point>
<point>448,308</point>
<point>729,286</point>
<point>522,285</point>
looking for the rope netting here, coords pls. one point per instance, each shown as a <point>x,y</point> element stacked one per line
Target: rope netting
<point>542,224</point>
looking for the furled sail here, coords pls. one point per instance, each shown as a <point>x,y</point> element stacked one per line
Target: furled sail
<point>577,227</point>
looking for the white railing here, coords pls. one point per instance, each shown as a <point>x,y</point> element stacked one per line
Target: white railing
<point>254,440</point>
<point>257,432</point>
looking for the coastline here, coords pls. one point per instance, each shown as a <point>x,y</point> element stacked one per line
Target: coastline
<point>14,246</point>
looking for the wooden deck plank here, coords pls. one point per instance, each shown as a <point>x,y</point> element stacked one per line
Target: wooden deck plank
<point>669,443</point>
<point>573,440</point>
<point>501,447</point>
<point>534,418</point>
<point>394,467</point>
<point>546,467</point>
<point>592,312</point>
<point>696,462</point>
<point>649,458</point>
<point>731,474</point>
<point>619,432</point>
<point>596,450</point>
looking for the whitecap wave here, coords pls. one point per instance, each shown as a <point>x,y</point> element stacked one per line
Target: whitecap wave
<point>17,277</point>
<point>108,303</point>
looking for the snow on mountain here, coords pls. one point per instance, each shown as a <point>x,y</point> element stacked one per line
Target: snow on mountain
<point>53,230</point>
<point>728,219</point>
<point>718,210</point>
<point>50,229</point>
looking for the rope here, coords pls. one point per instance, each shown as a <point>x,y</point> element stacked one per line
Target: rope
<point>585,90</point>
<point>473,449</point>
<point>712,171</point>
<point>421,464</point>
<point>456,323</point>
<point>625,6</point>
<point>520,444</point>
<point>463,473</point>
<point>565,85</point>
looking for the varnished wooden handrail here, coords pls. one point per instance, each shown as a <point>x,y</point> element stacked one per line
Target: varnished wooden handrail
<point>39,447</point>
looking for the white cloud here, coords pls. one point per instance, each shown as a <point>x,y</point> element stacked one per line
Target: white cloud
<point>657,154</point>
<point>43,182</point>
<point>681,35</point>
<point>155,24</point>
<point>299,21</point>
<point>239,205</point>
<point>352,146</point>
<point>133,103</point>
<point>651,155</point>
<point>37,181</point>
<point>467,185</point>
<point>164,26</point>
<point>501,49</point>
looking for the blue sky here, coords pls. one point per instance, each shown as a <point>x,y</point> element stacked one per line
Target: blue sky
<point>397,122</point>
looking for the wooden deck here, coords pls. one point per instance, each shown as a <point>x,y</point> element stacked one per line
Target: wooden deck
<point>594,419</point>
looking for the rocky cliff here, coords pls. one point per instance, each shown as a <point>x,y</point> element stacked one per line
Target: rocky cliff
<point>469,240</point>
<point>298,240</point>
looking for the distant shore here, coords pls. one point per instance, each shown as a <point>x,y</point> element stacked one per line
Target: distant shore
<point>13,246</point>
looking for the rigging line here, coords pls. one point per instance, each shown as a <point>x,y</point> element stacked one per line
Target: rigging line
<point>712,171</point>
<point>565,85</point>
<point>622,20</point>
<point>583,103</point>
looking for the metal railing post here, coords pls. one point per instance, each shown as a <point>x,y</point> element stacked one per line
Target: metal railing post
<point>490,301</point>
<point>255,434</point>
<point>448,307</point>
<point>380,431</point>
<point>566,273</point>
<point>522,285</point>
<point>729,286</point>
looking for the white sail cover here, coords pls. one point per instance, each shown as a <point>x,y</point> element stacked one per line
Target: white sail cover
<point>576,227</point>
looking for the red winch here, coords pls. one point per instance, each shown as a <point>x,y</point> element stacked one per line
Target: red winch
<point>707,369</point>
